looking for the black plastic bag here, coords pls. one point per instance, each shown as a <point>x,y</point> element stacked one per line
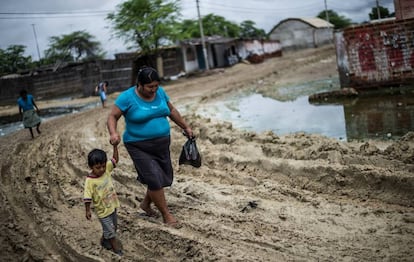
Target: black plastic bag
<point>189,154</point>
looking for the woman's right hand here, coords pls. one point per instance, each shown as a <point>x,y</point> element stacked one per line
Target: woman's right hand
<point>115,139</point>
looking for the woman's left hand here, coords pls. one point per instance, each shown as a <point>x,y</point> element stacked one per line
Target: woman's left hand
<point>188,132</point>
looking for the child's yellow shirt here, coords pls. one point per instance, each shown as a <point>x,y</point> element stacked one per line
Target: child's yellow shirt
<point>101,192</point>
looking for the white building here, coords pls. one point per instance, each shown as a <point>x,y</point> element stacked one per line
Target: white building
<point>297,33</point>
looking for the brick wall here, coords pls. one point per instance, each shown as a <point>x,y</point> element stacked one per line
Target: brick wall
<point>376,54</point>
<point>404,9</point>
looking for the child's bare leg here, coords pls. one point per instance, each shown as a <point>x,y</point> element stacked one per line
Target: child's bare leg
<point>31,132</point>
<point>114,244</point>
<point>104,243</point>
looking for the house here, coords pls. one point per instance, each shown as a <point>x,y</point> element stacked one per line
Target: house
<point>297,33</point>
<point>264,48</point>
<point>80,79</point>
<point>224,51</point>
<point>168,63</point>
<point>221,52</point>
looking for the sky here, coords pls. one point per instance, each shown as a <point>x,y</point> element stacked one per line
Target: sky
<point>32,22</point>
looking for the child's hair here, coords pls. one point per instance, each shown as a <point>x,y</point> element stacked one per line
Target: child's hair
<point>147,75</point>
<point>96,156</point>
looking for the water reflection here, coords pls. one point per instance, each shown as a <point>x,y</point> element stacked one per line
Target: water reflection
<point>379,117</point>
<point>257,113</point>
<point>374,117</point>
<point>12,123</point>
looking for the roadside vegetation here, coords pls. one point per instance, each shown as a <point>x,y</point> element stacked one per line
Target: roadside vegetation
<point>159,25</point>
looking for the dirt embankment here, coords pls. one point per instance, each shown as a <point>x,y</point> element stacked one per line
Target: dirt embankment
<point>257,197</point>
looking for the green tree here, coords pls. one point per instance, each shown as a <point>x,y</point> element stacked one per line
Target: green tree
<point>218,25</point>
<point>148,24</point>
<point>12,60</point>
<point>248,30</point>
<point>384,13</point>
<point>188,28</point>
<point>338,21</point>
<point>77,46</point>
<point>212,25</point>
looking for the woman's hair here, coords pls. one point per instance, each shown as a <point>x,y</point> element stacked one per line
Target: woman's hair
<point>96,156</point>
<point>147,75</point>
<point>23,93</point>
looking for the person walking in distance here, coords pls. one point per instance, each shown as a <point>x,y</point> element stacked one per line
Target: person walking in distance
<point>29,112</point>
<point>102,89</point>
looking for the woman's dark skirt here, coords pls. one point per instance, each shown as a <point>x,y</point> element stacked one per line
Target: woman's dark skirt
<point>30,118</point>
<point>152,161</point>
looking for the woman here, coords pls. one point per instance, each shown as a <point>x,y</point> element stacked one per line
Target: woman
<point>29,112</point>
<point>145,108</point>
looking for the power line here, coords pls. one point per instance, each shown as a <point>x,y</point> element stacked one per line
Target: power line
<point>316,6</point>
<point>57,12</point>
<point>261,11</point>
<point>46,15</point>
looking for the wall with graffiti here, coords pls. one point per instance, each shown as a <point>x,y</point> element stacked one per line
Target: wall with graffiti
<point>404,9</point>
<point>376,54</point>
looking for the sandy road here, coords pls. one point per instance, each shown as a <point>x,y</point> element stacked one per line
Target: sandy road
<point>257,197</point>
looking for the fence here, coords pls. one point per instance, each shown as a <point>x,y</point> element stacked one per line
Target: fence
<point>76,79</point>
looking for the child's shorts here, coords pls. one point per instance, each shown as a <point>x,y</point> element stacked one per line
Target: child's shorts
<point>103,96</point>
<point>109,225</point>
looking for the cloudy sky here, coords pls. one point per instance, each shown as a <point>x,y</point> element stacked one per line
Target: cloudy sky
<point>32,22</point>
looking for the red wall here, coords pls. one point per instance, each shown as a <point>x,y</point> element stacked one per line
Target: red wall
<point>404,9</point>
<point>377,54</point>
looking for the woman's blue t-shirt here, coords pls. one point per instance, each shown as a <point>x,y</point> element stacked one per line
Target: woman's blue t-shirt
<point>144,120</point>
<point>26,104</point>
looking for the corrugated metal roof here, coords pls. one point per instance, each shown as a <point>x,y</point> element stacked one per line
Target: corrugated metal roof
<point>208,39</point>
<point>314,22</point>
<point>317,22</point>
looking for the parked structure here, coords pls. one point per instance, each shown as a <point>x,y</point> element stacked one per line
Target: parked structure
<point>297,33</point>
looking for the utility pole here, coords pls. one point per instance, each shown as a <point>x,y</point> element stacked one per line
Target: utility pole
<point>378,10</point>
<point>203,42</point>
<point>37,44</point>
<point>326,12</point>
<point>327,19</point>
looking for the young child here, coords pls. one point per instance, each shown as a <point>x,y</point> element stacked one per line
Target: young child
<point>101,89</point>
<point>100,191</point>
